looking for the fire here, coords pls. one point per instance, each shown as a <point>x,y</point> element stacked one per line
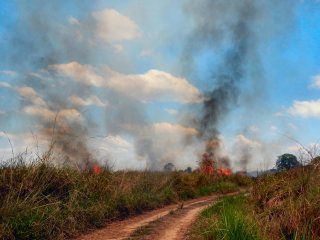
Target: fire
<point>224,171</point>
<point>96,169</point>
<point>207,164</point>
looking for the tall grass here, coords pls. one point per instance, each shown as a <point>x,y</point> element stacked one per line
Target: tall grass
<point>41,201</point>
<point>287,204</point>
<point>228,220</point>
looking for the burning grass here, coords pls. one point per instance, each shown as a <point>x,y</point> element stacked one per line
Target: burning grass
<point>40,201</point>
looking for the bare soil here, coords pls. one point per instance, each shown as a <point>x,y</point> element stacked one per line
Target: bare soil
<point>170,222</point>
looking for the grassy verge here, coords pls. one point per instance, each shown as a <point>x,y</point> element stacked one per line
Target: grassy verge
<point>39,201</point>
<point>285,205</point>
<point>226,219</point>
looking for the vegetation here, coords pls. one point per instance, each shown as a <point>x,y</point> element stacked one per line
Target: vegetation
<point>226,219</point>
<point>287,204</point>
<point>287,161</point>
<point>284,205</point>
<point>40,201</point>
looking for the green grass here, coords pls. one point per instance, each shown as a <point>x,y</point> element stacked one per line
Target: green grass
<point>285,206</point>
<point>40,201</point>
<point>226,220</point>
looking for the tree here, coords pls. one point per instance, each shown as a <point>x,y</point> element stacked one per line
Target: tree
<point>287,161</point>
<point>169,167</point>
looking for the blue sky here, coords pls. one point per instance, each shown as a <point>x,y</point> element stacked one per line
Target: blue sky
<point>118,67</point>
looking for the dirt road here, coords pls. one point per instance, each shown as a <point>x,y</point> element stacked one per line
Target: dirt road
<point>168,223</point>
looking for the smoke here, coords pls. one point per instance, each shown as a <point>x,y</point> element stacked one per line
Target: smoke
<point>43,35</point>
<point>231,31</point>
<point>155,143</point>
<point>37,38</point>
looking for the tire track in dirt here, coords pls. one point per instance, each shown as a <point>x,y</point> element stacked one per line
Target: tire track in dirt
<point>168,226</point>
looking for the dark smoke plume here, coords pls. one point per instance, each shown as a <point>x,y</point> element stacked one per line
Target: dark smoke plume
<point>222,24</point>
<point>230,31</point>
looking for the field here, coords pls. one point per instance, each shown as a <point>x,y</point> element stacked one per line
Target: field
<point>284,205</point>
<point>41,201</point>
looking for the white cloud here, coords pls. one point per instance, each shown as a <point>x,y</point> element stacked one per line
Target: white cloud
<point>273,128</point>
<point>111,26</point>
<point>85,74</point>
<point>292,126</point>
<point>31,95</point>
<point>92,100</point>
<point>38,107</point>
<point>73,21</point>
<point>305,109</point>
<point>315,82</point>
<point>153,85</point>
<point>108,26</point>
<point>5,85</point>
<point>169,128</point>
<point>171,111</point>
<point>47,114</point>
<point>8,73</point>
<point>279,114</point>
<point>119,152</point>
<point>243,140</point>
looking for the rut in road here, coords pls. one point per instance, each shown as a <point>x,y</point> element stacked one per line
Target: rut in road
<point>163,224</point>
<point>124,229</point>
<point>173,226</point>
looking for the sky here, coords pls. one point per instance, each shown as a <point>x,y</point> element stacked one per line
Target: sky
<point>128,78</point>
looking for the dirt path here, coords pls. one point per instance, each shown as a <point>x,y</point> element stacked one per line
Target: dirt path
<point>167,223</point>
<point>177,228</point>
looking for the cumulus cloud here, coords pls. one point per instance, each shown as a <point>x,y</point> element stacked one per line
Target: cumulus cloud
<point>47,114</point>
<point>120,152</point>
<point>154,85</point>
<point>315,82</point>
<point>108,26</point>
<point>171,111</point>
<point>169,128</point>
<point>292,126</point>
<point>111,26</point>
<point>243,140</point>
<point>90,101</point>
<point>305,109</point>
<point>273,128</point>
<point>85,74</point>
<point>5,85</point>
<point>31,95</point>
<point>38,107</point>
<point>8,73</point>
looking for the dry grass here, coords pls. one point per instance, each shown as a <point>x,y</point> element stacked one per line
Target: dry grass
<point>40,201</point>
<point>287,204</point>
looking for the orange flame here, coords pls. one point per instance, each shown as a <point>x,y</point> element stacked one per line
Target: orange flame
<point>207,170</point>
<point>96,169</point>
<point>224,171</point>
